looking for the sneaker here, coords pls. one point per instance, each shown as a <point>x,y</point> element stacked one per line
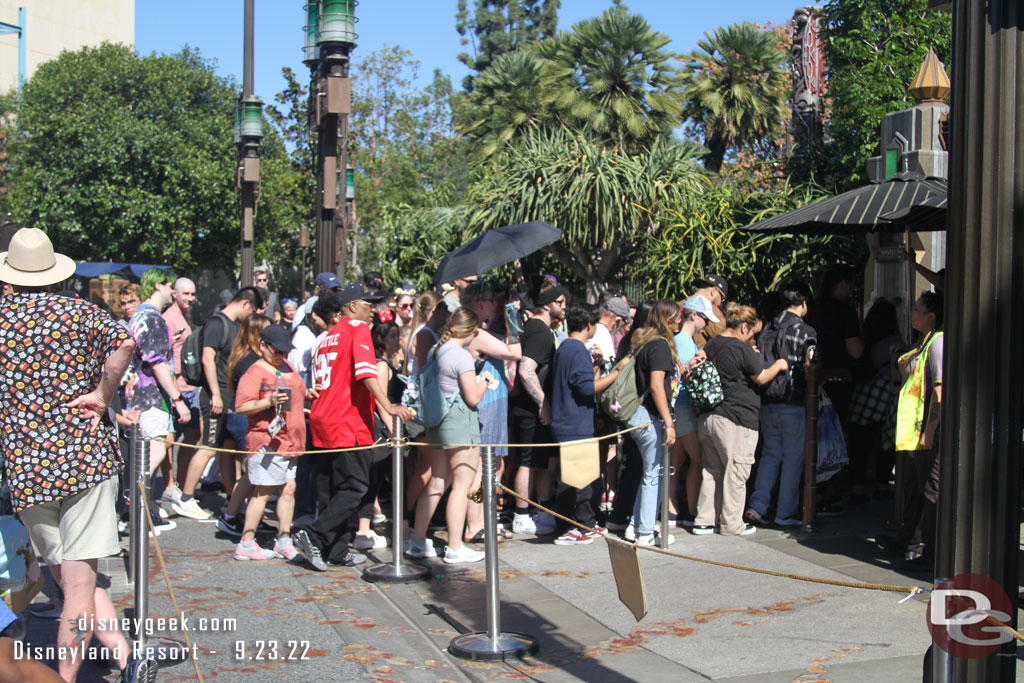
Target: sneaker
<point>351,559</point>
<point>753,516</point>
<point>462,554</point>
<point>161,512</point>
<point>419,549</point>
<point>653,540</point>
<point>748,529</point>
<point>190,509</point>
<point>523,524</point>
<point>171,494</point>
<point>164,525</point>
<point>630,534</point>
<point>544,523</point>
<point>139,670</point>
<point>702,529</point>
<point>686,520</point>
<point>122,527</point>
<point>254,552</point>
<point>574,537</point>
<point>788,521</point>
<point>312,554</point>
<point>231,526</point>
<point>369,540</point>
<point>597,531</point>
<point>378,518</point>
<point>286,549</point>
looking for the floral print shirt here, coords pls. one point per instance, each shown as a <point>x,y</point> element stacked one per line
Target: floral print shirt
<point>53,351</point>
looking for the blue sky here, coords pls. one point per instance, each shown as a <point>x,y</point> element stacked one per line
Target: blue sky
<point>427,27</point>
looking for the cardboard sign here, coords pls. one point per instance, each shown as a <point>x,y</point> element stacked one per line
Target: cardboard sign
<point>629,579</point>
<point>580,462</point>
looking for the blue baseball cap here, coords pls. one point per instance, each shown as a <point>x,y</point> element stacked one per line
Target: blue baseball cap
<point>328,281</point>
<point>698,303</point>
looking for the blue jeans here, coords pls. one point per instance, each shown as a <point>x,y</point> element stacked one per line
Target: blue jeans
<point>648,440</point>
<point>783,428</point>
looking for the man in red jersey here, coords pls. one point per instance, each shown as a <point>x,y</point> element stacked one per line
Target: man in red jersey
<point>344,371</point>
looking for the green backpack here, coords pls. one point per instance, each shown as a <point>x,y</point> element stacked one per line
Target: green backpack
<point>620,401</point>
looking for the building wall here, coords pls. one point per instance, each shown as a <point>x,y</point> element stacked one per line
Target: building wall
<point>56,25</point>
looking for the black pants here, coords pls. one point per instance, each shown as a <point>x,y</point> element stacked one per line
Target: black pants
<point>342,479</point>
<point>629,482</point>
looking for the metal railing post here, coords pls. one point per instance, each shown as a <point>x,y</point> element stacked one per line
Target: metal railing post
<point>493,644</point>
<point>666,478</point>
<point>810,438</point>
<point>140,534</point>
<point>397,572</point>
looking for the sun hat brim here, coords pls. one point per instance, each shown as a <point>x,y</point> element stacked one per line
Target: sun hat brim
<point>61,270</point>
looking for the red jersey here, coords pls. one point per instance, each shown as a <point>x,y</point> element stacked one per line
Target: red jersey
<point>342,415</point>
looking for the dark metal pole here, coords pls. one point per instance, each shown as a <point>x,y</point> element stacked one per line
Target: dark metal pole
<point>978,528</point>
<point>247,49</point>
<point>248,151</point>
<point>810,438</point>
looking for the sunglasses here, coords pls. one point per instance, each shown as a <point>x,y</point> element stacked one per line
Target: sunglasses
<point>405,305</point>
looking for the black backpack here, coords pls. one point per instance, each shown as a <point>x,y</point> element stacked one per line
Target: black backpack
<point>780,389</point>
<point>192,352</point>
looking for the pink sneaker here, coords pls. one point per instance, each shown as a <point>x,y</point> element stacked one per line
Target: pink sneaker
<point>253,553</point>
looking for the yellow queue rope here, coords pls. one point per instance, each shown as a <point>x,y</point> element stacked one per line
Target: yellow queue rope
<point>170,589</point>
<point>403,442</point>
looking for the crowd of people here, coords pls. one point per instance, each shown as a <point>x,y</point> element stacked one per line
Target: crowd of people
<point>292,404</point>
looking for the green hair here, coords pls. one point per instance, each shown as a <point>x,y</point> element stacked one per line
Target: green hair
<point>153,277</point>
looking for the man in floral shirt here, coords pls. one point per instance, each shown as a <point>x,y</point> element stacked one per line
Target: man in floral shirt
<point>63,360</point>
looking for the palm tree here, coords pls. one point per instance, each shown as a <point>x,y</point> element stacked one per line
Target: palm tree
<point>604,198</point>
<point>611,75</point>
<point>735,89</point>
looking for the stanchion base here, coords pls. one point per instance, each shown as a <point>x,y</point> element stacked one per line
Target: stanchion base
<point>386,573</point>
<point>480,648</point>
<point>166,651</point>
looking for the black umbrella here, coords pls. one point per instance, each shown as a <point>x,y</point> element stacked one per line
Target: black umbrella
<point>866,209</point>
<point>930,214</point>
<point>495,248</point>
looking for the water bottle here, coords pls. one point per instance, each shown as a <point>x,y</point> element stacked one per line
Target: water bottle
<point>280,384</point>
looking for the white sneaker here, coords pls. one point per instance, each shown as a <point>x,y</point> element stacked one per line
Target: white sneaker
<point>418,549</point>
<point>462,554</point>
<point>630,534</point>
<point>171,494</point>
<point>523,524</point>
<point>367,540</point>
<point>161,512</point>
<point>653,540</point>
<point>190,509</point>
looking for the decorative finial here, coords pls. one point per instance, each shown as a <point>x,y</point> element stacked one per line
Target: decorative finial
<point>931,84</point>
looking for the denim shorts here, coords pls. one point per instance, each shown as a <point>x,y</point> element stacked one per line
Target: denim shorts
<point>685,415</point>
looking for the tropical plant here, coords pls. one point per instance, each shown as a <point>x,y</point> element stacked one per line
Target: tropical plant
<point>613,76</point>
<point>416,239</point>
<point>735,89</point>
<point>592,190</point>
<point>498,27</point>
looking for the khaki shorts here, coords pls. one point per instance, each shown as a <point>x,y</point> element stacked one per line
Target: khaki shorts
<point>81,527</point>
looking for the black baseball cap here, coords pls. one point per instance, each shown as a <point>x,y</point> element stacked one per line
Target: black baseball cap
<point>712,280</point>
<point>355,292</point>
<point>278,337</point>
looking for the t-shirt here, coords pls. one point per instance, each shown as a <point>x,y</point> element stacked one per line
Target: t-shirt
<point>736,363</point>
<point>572,392</point>
<point>212,332</point>
<point>273,305</point>
<point>686,349</point>
<point>303,341</point>
<point>152,346</point>
<point>539,345</point>
<point>176,321</point>
<point>242,366</point>
<point>602,341</point>
<point>291,440</point>
<point>836,322</point>
<point>654,355</point>
<point>455,361</point>
<point>342,415</point>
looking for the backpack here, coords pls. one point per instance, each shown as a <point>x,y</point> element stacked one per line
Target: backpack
<point>620,401</point>
<point>780,389</point>
<point>705,387</point>
<point>192,353</point>
<point>423,394</point>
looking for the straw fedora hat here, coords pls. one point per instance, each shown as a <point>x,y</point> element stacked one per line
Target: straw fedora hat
<point>31,262</point>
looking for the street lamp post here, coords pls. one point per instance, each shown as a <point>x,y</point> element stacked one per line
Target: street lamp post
<point>248,133</point>
<point>330,37</point>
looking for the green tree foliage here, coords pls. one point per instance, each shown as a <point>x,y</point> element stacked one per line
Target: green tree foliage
<point>507,102</point>
<point>611,75</point>
<point>592,191</point>
<point>498,27</point>
<point>873,49</point>
<point>417,238</point>
<point>128,158</point>
<point>735,89</point>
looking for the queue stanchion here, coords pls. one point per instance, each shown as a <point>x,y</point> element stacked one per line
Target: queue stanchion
<point>134,507</point>
<point>666,477</point>
<point>810,438</point>
<point>494,644</point>
<point>397,571</point>
<point>163,650</point>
